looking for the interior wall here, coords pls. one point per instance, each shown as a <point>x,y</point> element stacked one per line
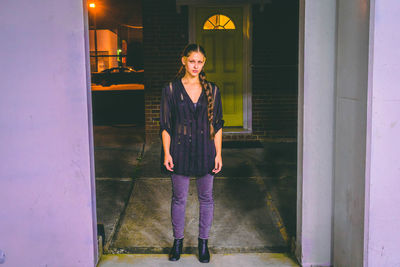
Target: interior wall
<point>315,131</point>
<point>48,211</point>
<point>383,143</point>
<point>350,131</point>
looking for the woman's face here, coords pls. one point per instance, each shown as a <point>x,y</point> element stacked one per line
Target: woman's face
<point>194,63</point>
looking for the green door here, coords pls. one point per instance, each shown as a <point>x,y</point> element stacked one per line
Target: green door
<point>219,30</point>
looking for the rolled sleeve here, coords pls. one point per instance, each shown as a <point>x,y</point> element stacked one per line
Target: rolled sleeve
<point>218,121</point>
<point>165,110</point>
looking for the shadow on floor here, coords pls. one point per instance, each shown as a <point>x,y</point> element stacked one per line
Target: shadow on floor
<point>242,220</point>
<point>135,188</point>
<point>118,150</point>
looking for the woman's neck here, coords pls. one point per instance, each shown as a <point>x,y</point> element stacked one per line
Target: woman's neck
<point>189,79</point>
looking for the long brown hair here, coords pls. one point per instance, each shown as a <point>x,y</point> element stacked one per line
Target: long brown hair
<point>206,85</point>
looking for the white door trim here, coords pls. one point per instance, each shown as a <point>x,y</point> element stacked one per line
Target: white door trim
<point>247,57</point>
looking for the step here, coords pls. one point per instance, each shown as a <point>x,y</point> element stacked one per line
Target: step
<point>188,260</point>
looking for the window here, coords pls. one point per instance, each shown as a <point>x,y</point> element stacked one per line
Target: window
<point>219,22</point>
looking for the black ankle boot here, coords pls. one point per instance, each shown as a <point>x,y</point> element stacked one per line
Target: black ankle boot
<point>176,250</point>
<point>204,254</point>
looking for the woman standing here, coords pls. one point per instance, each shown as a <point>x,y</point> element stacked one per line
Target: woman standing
<point>191,131</point>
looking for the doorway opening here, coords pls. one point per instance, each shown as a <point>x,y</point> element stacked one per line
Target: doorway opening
<point>255,195</point>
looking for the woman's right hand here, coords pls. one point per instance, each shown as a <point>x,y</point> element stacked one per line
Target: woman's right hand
<point>168,162</point>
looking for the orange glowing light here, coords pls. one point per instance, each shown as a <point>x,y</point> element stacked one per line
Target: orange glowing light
<point>92,5</point>
<point>219,22</point>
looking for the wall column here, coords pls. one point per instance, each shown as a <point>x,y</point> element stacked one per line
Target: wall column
<point>350,131</point>
<point>47,190</point>
<point>315,131</point>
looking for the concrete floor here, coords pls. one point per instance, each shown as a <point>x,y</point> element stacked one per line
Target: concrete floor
<point>273,165</point>
<point>242,222</point>
<point>117,151</point>
<point>111,197</point>
<point>255,200</point>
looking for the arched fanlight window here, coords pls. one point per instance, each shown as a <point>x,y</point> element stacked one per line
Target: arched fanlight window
<point>219,22</point>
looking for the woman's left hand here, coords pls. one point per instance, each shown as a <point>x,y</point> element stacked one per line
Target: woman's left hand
<point>218,164</point>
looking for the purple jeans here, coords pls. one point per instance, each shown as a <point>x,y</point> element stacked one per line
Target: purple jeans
<point>180,188</point>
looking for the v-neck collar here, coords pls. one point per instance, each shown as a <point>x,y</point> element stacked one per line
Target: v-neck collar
<point>187,95</point>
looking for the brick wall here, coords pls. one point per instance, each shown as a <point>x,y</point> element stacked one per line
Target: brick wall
<point>165,33</point>
<point>275,59</point>
<point>274,79</point>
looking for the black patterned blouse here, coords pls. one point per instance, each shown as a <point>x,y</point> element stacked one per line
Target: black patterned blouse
<point>192,151</point>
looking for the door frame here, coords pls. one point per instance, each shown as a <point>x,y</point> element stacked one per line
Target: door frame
<point>311,162</point>
<point>247,56</point>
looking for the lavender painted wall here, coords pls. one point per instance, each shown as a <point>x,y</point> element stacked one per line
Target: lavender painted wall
<point>315,131</point>
<point>46,171</point>
<point>383,144</point>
